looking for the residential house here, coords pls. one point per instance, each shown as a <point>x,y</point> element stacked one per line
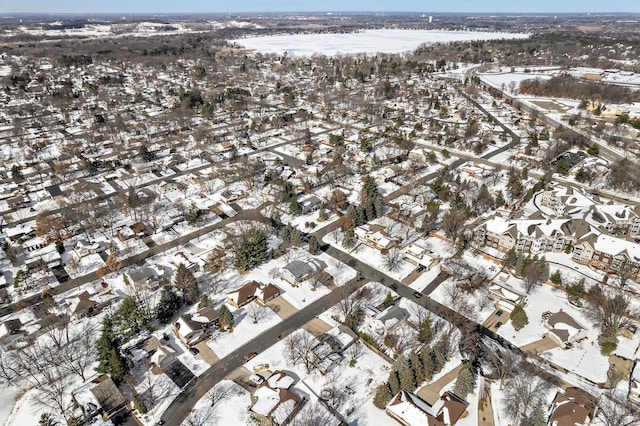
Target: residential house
<point>389,318</point>
<point>194,328</point>
<point>376,237</point>
<point>506,297</point>
<point>162,357</point>
<point>563,328</point>
<point>99,396</point>
<point>322,355</point>
<point>573,407</point>
<point>310,204</point>
<point>250,291</point>
<point>411,410</point>
<point>82,305</point>
<point>420,256</point>
<point>296,271</point>
<point>273,402</point>
<point>243,295</point>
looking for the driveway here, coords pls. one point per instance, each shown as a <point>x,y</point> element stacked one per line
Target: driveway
<point>431,392</point>
<point>317,327</point>
<point>491,321</point>
<point>280,306</point>
<point>206,354</point>
<point>485,408</point>
<point>544,344</point>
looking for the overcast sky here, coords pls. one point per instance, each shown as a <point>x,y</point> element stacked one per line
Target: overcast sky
<point>224,6</point>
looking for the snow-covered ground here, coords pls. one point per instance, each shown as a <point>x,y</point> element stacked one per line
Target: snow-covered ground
<point>231,411</point>
<point>223,343</point>
<point>357,405</point>
<point>367,41</point>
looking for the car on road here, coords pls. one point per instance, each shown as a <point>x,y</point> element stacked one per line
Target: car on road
<point>417,294</point>
<point>498,324</point>
<point>194,351</point>
<point>249,356</point>
<point>499,312</point>
<point>394,286</point>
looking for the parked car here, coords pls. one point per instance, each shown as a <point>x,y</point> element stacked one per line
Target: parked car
<point>256,378</point>
<point>417,294</point>
<point>498,324</point>
<point>249,356</point>
<point>420,268</point>
<point>499,312</point>
<point>194,351</point>
<point>394,286</point>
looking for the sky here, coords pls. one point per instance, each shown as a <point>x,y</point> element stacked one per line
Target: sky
<point>229,6</point>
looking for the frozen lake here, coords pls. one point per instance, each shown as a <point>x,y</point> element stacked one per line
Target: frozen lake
<point>367,41</point>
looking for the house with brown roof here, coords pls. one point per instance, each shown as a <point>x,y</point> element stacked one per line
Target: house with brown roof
<point>250,291</point>
<point>99,396</point>
<point>411,410</point>
<point>573,407</point>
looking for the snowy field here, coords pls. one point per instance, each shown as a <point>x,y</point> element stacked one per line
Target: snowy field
<point>231,411</point>
<point>368,41</point>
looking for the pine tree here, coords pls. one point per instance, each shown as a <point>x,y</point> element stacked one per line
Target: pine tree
<point>383,396</point>
<point>519,318</point>
<point>313,245</point>
<point>348,239</point>
<point>295,237</point>
<point>168,304</point>
<point>186,284</point>
<point>537,417</point>
<point>407,380</point>
<point>226,318</point>
<point>426,357</point>
<point>464,382</point>
<point>556,278</point>
<point>394,383</point>
<point>416,367</point>
<point>439,357</point>
<point>425,335</point>
<point>388,301</point>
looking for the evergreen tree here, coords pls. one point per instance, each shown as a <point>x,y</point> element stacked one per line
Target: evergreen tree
<point>536,418</point>
<point>295,237</point>
<point>426,358</point>
<point>226,318</point>
<point>314,247</point>
<point>500,199</point>
<point>439,357</point>
<point>407,380</point>
<point>464,382</point>
<point>394,383</point>
<point>519,318</point>
<point>382,397</point>
<point>186,284</point>
<point>252,251</point>
<point>425,334</point>
<point>510,258</point>
<point>556,278</point>
<point>348,239</point>
<point>417,367</point>
<point>168,305</point>
<point>110,361</point>
<point>388,301</point>
<point>369,189</point>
